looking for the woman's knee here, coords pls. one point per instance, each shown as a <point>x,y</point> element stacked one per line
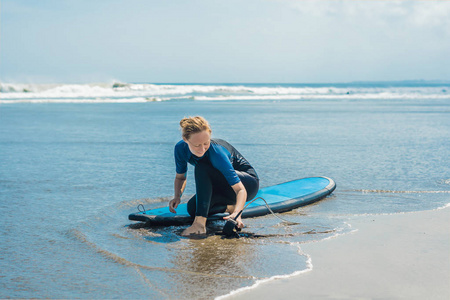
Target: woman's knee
<point>253,190</point>
<point>192,206</point>
<point>250,183</point>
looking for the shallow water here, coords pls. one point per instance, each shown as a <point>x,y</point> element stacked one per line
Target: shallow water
<point>70,173</point>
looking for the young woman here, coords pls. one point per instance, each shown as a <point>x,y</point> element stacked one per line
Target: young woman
<point>224,179</point>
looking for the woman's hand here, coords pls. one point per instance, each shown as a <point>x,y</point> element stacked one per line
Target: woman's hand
<point>241,196</point>
<point>179,184</point>
<point>173,204</point>
<point>240,224</point>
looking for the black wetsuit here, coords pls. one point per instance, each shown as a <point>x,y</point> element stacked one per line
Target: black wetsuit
<point>215,172</point>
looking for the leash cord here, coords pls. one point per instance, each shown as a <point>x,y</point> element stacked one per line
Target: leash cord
<point>271,211</point>
<point>143,208</point>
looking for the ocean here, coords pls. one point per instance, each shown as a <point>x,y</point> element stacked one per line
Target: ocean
<point>77,159</point>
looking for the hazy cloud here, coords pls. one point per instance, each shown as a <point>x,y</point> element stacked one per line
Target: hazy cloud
<point>416,13</point>
<point>222,41</point>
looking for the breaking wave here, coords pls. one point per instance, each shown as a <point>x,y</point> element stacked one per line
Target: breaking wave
<point>145,92</point>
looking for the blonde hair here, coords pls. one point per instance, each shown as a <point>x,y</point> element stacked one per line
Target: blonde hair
<point>193,125</point>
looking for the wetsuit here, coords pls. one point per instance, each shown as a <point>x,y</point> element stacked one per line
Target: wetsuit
<point>215,172</point>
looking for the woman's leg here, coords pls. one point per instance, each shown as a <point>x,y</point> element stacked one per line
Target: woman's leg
<point>214,194</point>
<point>224,199</point>
<point>198,206</point>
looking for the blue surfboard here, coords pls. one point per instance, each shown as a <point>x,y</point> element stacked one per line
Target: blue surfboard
<point>280,198</point>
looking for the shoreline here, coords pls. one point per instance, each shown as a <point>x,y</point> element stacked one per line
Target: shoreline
<point>394,256</point>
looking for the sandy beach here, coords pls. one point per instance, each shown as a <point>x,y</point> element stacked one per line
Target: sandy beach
<point>399,256</point>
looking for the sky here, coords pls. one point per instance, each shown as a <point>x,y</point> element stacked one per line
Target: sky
<point>218,41</point>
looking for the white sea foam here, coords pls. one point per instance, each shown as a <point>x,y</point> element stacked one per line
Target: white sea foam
<point>108,93</point>
<point>309,264</point>
<point>354,96</point>
<point>309,267</point>
<point>97,100</point>
<point>397,213</point>
<point>446,181</point>
<point>443,207</point>
<point>401,192</point>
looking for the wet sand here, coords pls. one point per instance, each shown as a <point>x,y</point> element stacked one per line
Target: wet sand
<point>400,256</point>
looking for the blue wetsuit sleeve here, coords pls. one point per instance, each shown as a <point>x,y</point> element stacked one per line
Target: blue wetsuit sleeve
<point>180,157</point>
<point>220,159</point>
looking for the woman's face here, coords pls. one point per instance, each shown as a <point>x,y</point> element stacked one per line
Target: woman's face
<point>199,143</point>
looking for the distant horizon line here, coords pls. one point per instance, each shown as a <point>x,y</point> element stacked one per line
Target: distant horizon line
<point>311,82</point>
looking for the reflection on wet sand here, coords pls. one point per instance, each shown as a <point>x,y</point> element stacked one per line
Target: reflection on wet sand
<point>210,266</point>
<point>219,263</point>
<point>214,255</point>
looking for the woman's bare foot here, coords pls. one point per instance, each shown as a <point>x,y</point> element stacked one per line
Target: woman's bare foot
<point>197,227</point>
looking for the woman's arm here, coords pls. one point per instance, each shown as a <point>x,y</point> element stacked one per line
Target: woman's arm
<point>241,197</point>
<point>179,186</point>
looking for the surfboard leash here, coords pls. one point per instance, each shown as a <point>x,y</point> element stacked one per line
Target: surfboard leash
<point>143,208</point>
<point>272,212</point>
<point>230,229</point>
